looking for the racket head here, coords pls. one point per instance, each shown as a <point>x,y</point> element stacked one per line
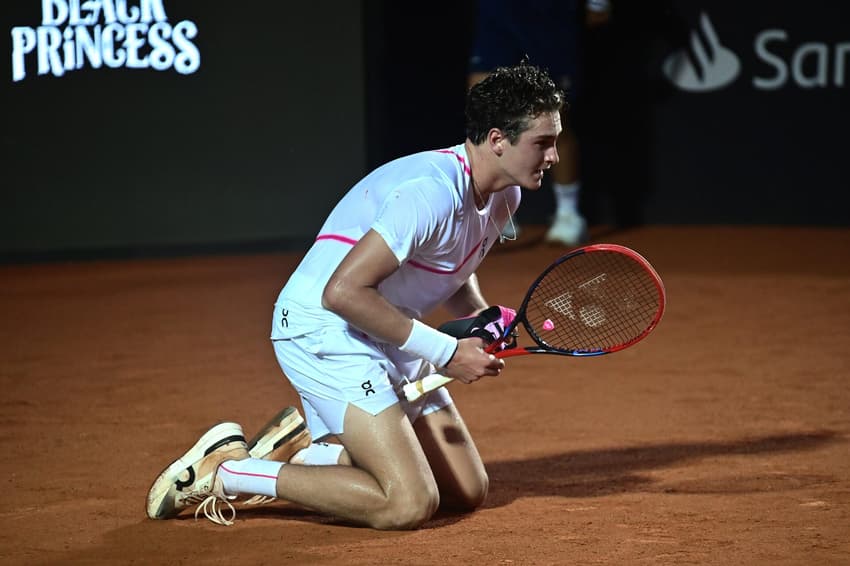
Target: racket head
<point>595,300</point>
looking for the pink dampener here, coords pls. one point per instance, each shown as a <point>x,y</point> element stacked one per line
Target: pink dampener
<point>548,325</point>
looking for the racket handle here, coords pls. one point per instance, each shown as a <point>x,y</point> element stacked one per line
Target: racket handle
<point>417,389</point>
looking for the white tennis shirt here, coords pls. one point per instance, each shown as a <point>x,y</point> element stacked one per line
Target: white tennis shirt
<point>424,208</point>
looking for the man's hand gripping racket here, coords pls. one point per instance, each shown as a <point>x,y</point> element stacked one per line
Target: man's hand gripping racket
<point>595,300</point>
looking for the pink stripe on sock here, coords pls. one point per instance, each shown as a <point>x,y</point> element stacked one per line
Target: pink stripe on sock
<point>235,473</point>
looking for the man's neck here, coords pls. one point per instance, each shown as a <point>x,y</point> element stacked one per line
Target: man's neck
<point>483,171</point>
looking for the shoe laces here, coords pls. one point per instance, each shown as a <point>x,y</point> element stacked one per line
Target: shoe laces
<point>214,510</point>
<point>259,500</point>
<point>213,505</point>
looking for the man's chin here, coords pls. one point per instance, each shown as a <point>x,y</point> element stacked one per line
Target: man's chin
<point>533,184</point>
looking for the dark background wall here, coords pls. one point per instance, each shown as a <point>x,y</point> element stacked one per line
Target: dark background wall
<point>768,146</point>
<point>253,147</point>
<point>292,103</point>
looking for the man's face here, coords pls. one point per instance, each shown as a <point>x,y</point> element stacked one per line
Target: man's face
<point>534,152</point>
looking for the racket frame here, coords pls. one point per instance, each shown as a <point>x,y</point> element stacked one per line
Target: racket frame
<point>542,346</point>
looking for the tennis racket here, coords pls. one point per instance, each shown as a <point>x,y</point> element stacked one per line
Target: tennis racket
<point>595,300</point>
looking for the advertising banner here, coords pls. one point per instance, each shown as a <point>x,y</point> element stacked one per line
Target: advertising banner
<point>140,124</point>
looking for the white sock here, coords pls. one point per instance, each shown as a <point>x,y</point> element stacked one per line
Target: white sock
<point>251,475</point>
<point>566,197</point>
<point>318,454</point>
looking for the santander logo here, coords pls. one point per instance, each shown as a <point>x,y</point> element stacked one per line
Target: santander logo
<point>707,66</point>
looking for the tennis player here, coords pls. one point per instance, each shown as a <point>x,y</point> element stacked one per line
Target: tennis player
<point>348,335</point>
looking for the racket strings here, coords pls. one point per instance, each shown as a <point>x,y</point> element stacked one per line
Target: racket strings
<point>594,301</point>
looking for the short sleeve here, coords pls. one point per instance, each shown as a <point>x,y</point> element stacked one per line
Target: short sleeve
<point>413,216</point>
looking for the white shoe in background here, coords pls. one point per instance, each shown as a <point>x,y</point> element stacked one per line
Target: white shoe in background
<point>568,228</point>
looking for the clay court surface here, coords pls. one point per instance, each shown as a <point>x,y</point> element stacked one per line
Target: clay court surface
<point>723,438</point>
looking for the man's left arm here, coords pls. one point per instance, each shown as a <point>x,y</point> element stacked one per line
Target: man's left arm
<point>468,300</point>
<point>475,317</point>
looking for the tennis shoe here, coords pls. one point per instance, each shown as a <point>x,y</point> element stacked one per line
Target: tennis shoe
<point>284,435</point>
<point>192,478</point>
<point>569,228</point>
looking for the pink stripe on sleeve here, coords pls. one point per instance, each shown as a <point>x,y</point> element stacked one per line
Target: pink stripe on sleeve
<point>337,237</point>
<point>412,263</point>
<point>459,157</point>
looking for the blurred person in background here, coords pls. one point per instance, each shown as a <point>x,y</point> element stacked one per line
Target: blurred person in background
<point>549,33</point>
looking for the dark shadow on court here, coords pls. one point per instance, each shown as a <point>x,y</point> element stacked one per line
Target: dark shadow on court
<point>597,473</point>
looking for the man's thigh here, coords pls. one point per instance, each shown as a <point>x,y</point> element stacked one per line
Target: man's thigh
<point>453,457</point>
<point>387,447</point>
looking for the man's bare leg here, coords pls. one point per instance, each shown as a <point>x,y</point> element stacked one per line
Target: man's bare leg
<point>454,459</point>
<point>390,485</point>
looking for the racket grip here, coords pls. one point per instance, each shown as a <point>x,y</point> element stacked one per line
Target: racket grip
<point>417,389</point>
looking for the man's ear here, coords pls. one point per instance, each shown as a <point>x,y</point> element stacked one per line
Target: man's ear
<point>497,140</point>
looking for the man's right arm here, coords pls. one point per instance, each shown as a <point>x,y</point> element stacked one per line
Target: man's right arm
<point>352,293</point>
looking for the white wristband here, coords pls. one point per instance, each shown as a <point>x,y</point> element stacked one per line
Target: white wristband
<point>430,344</point>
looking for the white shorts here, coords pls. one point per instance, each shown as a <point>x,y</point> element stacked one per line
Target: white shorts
<point>336,366</point>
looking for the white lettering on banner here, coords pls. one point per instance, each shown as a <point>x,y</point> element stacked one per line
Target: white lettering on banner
<point>189,59</point>
<point>115,33</point>
<point>810,63</point>
<point>49,40</point>
<point>776,62</point>
<point>841,51</point>
<point>23,42</point>
<point>711,66</point>
<point>57,12</point>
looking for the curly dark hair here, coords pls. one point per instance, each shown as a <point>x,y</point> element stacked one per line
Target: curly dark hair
<point>508,99</point>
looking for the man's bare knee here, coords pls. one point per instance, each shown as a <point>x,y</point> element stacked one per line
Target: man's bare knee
<point>409,510</point>
<point>468,495</point>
